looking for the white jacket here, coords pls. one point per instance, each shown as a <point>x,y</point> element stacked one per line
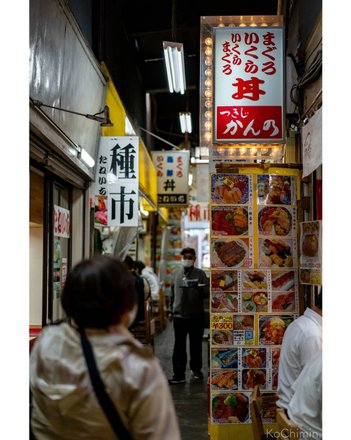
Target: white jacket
<point>153,281</point>
<point>64,402</point>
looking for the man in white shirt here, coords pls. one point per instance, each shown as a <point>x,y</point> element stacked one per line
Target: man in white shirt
<point>302,339</point>
<point>305,407</point>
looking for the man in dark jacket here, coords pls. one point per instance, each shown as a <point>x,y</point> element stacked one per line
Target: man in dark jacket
<point>188,290</point>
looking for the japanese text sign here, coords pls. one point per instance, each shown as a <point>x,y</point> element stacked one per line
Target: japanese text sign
<point>312,144</point>
<point>116,183</point>
<point>249,84</point>
<point>198,212</point>
<point>172,169</point>
<point>62,220</point>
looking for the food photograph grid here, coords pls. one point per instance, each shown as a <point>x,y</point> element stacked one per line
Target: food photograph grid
<point>254,287</point>
<point>254,290</point>
<point>234,407</point>
<point>236,329</point>
<point>242,368</point>
<point>311,253</point>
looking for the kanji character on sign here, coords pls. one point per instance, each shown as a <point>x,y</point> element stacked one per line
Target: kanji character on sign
<point>123,161</point>
<point>123,202</point>
<point>248,89</point>
<point>169,184</point>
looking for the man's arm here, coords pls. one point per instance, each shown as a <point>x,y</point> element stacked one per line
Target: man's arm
<point>171,301</point>
<point>204,280</point>
<point>309,347</point>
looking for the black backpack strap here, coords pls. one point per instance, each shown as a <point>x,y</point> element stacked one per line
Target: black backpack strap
<point>100,391</point>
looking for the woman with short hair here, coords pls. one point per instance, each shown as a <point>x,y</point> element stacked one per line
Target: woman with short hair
<point>99,299</point>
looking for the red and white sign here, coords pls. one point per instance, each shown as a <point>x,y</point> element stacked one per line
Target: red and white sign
<point>62,222</point>
<point>198,212</point>
<point>249,84</point>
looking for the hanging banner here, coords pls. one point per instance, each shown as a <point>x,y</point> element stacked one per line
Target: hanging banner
<point>249,84</point>
<point>172,177</point>
<point>312,144</point>
<point>116,183</point>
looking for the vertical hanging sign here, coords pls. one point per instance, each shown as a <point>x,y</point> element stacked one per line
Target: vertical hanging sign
<point>249,84</point>
<point>116,183</point>
<point>172,177</point>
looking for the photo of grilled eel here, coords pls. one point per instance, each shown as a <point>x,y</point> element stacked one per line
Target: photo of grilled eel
<point>230,253</point>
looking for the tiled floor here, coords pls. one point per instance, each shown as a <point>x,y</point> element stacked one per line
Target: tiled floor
<point>190,399</point>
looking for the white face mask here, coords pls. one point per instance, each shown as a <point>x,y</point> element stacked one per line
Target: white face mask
<point>188,263</point>
<point>131,315</point>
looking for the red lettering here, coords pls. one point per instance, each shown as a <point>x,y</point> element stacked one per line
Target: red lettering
<point>58,222</point>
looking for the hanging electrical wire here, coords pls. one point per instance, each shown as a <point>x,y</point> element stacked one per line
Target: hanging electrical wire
<point>311,74</point>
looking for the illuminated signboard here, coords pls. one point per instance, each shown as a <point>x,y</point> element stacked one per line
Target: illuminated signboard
<point>248,84</point>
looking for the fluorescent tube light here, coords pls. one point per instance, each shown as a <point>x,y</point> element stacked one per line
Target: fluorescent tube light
<point>174,58</point>
<point>86,158</point>
<point>185,122</point>
<point>128,128</point>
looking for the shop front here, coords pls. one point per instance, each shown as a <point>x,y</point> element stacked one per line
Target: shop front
<point>264,248</point>
<point>265,263</point>
<point>63,146</point>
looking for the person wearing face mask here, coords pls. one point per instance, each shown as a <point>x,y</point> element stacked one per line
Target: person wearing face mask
<point>99,301</point>
<point>188,290</point>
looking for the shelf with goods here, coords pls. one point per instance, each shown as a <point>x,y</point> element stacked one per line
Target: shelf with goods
<point>168,248</point>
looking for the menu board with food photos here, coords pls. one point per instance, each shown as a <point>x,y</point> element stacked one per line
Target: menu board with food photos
<point>254,286</point>
<point>311,252</point>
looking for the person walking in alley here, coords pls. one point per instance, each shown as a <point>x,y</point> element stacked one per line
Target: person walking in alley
<point>141,291</point>
<point>188,290</point>
<point>149,275</point>
<point>98,298</point>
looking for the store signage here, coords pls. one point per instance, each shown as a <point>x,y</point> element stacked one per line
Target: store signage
<point>249,84</point>
<point>62,221</point>
<point>116,183</point>
<point>312,144</point>
<point>172,169</point>
<point>254,289</point>
<point>311,252</point>
<point>198,212</point>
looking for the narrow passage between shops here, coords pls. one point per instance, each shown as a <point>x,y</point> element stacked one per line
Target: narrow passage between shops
<point>190,399</point>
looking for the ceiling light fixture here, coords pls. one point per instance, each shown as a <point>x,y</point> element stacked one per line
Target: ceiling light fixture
<point>185,122</point>
<point>174,58</point>
<point>85,157</point>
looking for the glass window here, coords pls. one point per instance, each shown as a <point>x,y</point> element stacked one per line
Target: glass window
<point>60,246</point>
